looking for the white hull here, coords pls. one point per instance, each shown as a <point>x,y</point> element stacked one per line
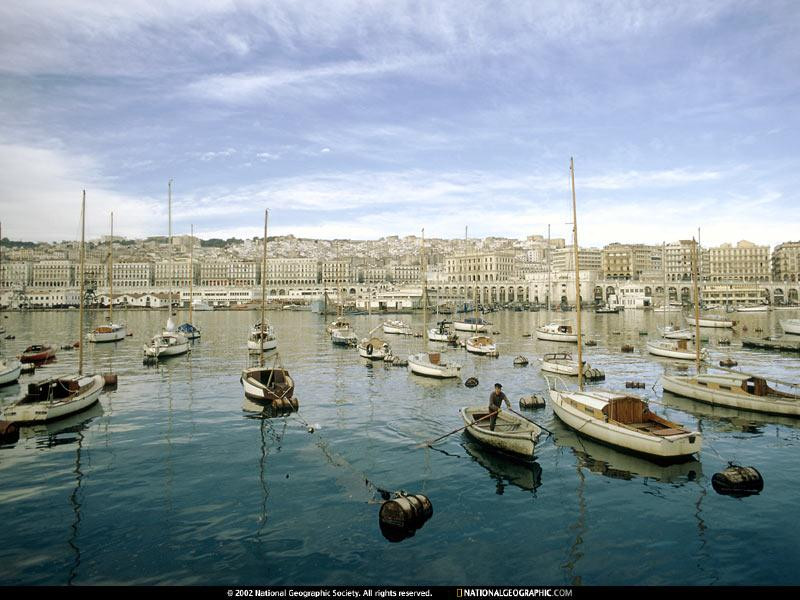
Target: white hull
<point>484,349</point>
<point>377,353</point>
<point>201,306</point>
<point>9,371</point>
<point>159,349</point>
<point>255,346</point>
<point>474,327</point>
<point>50,410</point>
<point>791,326</point>
<point>117,333</point>
<point>751,309</point>
<point>676,334</point>
<point>520,442</point>
<point>420,364</point>
<point>344,337</point>
<point>562,367</point>
<point>556,337</point>
<point>670,352</point>
<point>721,323</point>
<point>397,329</point>
<point>683,386</point>
<point>623,437</point>
<point>435,336</point>
<point>667,309</point>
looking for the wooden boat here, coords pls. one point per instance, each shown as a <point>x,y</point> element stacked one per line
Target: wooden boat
<point>711,321</point>
<point>675,349</point>
<point>373,349</point>
<point>267,385</point>
<point>734,390</point>
<point>397,327</point>
<point>562,363</point>
<point>113,332</point>
<point>430,364</point>
<point>556,332</point>
<point>480,344</point>
<point>475,324</point>
<point>55,398</point>
<point>791,326</point>
<point>10,369</point>
<point>512,434</point>
<point>37,353</point>
<point>339,323</point>
<point>622,421</point>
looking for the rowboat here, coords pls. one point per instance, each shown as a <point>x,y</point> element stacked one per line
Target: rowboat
<point>562,363</point>
<point>480,344</point>
<point>37,353</point>
<point>267,385</point>
<point>734,390</point>
<point>55,398</point>
<point>675,349</point>
<point>556,333</point>
<point>512,434</point>
<point>622,421</point>
<point>9,370</point>
<point>430,364</point>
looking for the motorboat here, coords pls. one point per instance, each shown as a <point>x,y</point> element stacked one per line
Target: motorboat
<point>344,336</point>
<point>711,321</point>
<point>757,308</point>
<point>474,324</point>
<point>10,369</point>
<point>442,333</point>
<point>374,349</point>
<point>189,331</point>
<point>670,332</point>
<point>113,332</point>
<point>561,363</point>
<point>37,353</point>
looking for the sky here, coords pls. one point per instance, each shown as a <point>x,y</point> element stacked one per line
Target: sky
<point>364,119</point>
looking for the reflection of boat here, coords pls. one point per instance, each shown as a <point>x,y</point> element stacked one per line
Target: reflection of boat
<point>71,424</point>
<point>607,461</point>
<point>512,434</point>
<point>524,475</point>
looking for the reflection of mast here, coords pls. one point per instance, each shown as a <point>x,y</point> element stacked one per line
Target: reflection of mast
<point>580,528</point>
<point>74,500</point>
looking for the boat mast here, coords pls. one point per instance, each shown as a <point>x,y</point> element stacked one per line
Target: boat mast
<point>191,270</point>
<point>111,273</point>
<point>664,268</point>
<point>549,285</point>
<point>577,275</point>
<point>80,312</point>
<point>696,307</point>
<point>263,293</point>
<point>423,268</point>
<point>169,232</point>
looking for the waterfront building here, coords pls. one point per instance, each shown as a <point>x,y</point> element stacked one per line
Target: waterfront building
<point>589,259</point>
<point>744,262</point>
<point>733,293</point>
<point>15,274</point>
<point>481,267</point>
<point>679,261</point>
<point>228,274</point>
<point>562,287</point>
<point>337,271</point>
<point>629,261</point>
<point>292,271</point>
<point>172,275</point>
<point>133,275</point>
<point>786,262</point>
<point>53,274</point>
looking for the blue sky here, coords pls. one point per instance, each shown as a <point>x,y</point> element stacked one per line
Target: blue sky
<point>364,119</point>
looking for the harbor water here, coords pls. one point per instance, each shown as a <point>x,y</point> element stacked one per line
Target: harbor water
<point>173,479</point>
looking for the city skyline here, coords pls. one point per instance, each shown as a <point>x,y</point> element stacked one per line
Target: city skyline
<point>361,121</point>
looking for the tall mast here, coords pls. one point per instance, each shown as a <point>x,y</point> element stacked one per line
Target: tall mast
<point>466,232</point>
<point>423,268</point>
<point>664,268</point>
<point>169,241</point>
<point>111,272</point>
<point>699,258</point>
<point>80,312</point>
<point>263,292</point>
<point>696,307</point>
<point>549,286</point>
<point>577,275</point>
<point>191,270</point>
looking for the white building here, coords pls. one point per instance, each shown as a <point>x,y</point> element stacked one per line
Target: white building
<point>53,274</point>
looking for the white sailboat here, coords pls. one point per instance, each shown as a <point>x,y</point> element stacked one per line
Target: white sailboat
<point>670,332</point>
<point>262,335</point>
<point>169,342</point>
<point>717,321</point>
<point>557,332</point>
<point>756,308</point>
<point>561,363</point>
<point>397,327</point>
<point>58,397</point>
<point>674,349</point>
<point>429,364</point>
<point>615,418</point>
<point>189,329</point>
<point>112,332</point>
<point>442,332</point>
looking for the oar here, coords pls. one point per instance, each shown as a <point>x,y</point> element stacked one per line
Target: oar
<point>430,443</point>
<point>532,421</point>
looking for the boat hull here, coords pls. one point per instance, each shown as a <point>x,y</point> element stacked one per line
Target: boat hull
<point>791,326</point>
<point>114,333</point>
<point>256,347</point>
<point>482,349</point>
<point>621,437</point>
<point>521,444</point>
<point>723,323</point>
<point>376,354</point>
<point>419,364</point>
<point>679,354</point>
<point>396,330</point>
<point>255,389</point>
<point>474,327</point>
<point>682,386</point>
<point>10,371</point>
<point>36,357</point>
<point>556,337</point>
<point>561,368</point>
<point>38,412</point>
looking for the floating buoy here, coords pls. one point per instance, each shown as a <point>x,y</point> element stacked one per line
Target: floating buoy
<point>642,333</point>
<point>594,375</point>
<point>495,333</point>
<point>634,384</point>
<point>526,335</point>
<point>77,344</point>
<point>738,481</point>
<point>728,362</point>
<point>110,379</point>
<point>520,361</point>
<point>590,343</point>
<point>627,348</point>
<point>532,401</point>
<point>310,429</point>
<point>9,432</point>
<point>400,517</point>
<point>471,382</point>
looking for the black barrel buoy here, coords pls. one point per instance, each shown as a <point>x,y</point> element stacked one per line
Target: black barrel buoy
<point>590,343</point>
<point>532,401</point>
<point>9,432</point>
<point>738,481</point>
<point>627,348</point>
<point>520,361</point>
<point>110,379</point>
<point>728,362</point>
<point>471,382</point>
<point>400,517</point>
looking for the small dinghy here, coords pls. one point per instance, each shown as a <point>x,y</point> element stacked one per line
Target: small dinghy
<point>268,385</point>
<point>512,435</point>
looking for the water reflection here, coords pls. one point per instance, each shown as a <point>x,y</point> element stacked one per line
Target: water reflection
<point>505,471</point>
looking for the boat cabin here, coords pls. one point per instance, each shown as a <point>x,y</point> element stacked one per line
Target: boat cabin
<point>750,384</point>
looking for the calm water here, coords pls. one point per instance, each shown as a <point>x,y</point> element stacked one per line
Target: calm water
<point>171,481</point>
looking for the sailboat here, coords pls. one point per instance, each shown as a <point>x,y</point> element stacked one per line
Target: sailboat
<point>269,385</point>
<point>58,397</point>
<point>189,329</point>
<point>262,335</point>
<point>113,332</point>
<point>169,342</point>
<point>615,418</point>
<point>429,364</point>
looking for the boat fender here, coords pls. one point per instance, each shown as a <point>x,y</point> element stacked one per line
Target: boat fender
<point>471,382</point>
<point>369,349</point>
<point>110,379</point>
<point>737,480</point>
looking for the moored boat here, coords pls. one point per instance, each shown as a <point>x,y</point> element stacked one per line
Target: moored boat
<point>711,321</point>
<point>268,384</point>
<point>512,434</point>
<point>113,332</point>
<point>430,364</point>
<point>55,398</point>
<point>791,326</point>
<point>753,308</point>
<point>442,333</point>
<point>670,332</point>
<point>373,348</point>
<point>344,336</point>
<point>481,344</point>
<point>556,332</point>
<point>37,353</point>
<point>398,327</point>
<point>10,369</point>
<point>675,349</point>
<point>475,324</point>
<point>168,343</point>
<point>189,331</point>
<point>561,363</point>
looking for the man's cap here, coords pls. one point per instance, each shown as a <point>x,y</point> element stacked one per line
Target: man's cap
<point>497,385</point>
